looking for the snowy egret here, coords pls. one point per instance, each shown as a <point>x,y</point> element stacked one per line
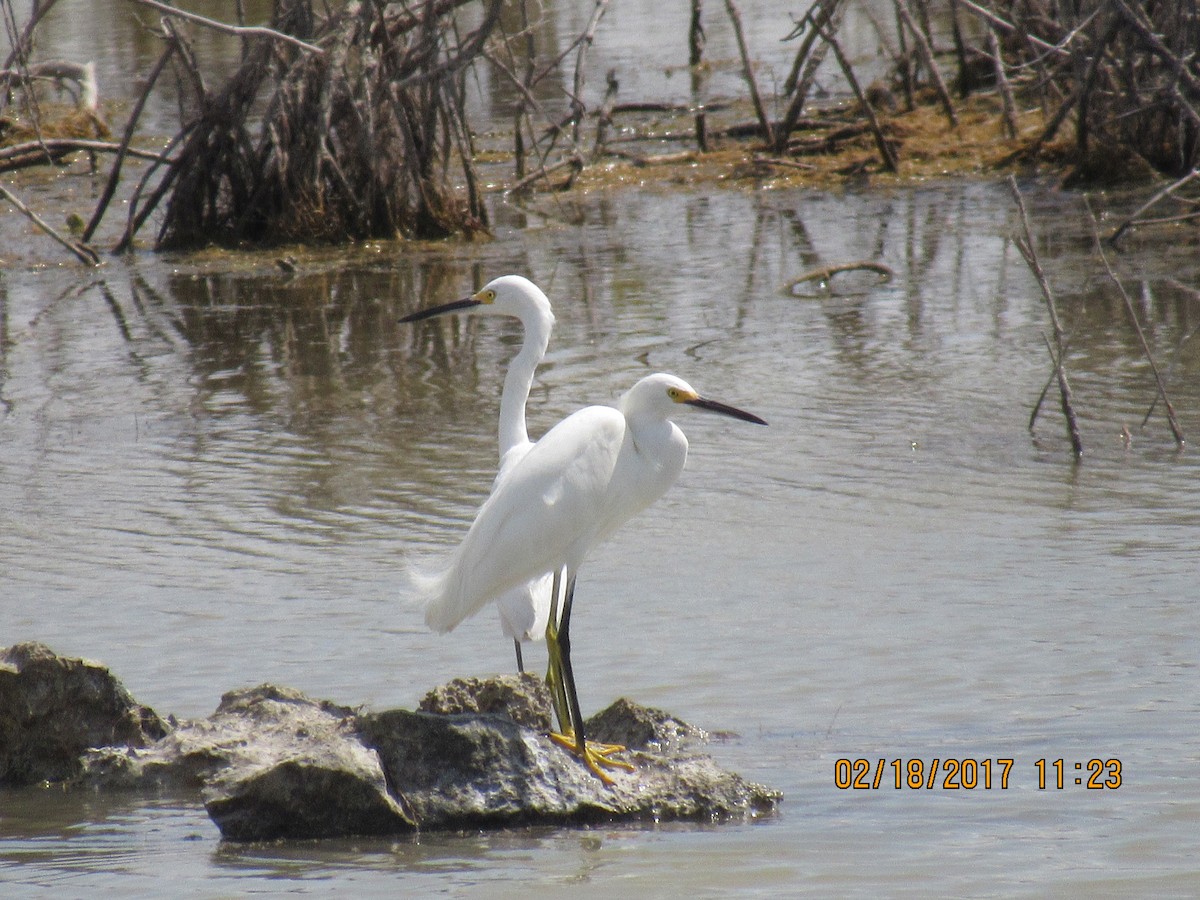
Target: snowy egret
<point>589,474</point>
<point>523,609</point>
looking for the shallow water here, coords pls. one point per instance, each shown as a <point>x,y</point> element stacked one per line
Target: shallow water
<point>214,474</point>
<point>212,479</point>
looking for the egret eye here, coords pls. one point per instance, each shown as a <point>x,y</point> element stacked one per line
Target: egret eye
<point>489,296</point>
<point>673,393</point>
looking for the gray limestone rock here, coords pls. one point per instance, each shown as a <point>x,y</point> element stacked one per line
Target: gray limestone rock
<point>523,698</point>
<point>273,763</point>
<point>480,771</point>
<point>53,708</point>
<point>302,772</point>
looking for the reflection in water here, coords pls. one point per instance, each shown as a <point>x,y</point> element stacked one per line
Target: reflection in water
<point>217,474</point>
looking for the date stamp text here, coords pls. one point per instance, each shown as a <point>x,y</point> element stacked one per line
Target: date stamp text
<point>956,774</point>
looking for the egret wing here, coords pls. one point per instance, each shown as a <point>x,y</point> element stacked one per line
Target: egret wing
<point>540,515</point>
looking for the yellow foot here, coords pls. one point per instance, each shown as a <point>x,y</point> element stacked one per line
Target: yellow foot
<point>594,755</point>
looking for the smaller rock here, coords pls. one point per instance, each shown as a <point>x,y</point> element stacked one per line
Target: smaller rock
<point>641,728</point>
<point>523,698</point>
<point>339,791</point>
<point>294,768</point>
<point>471,770</point>
<point>53,708</point>
<point>251,726</point>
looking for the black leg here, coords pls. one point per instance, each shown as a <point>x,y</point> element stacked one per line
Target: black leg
<point>520,661</point>
<point>564,647</point>
<point>597,756</point>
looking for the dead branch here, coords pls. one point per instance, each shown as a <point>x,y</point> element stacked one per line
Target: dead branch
<point>809,57</point>
<point>236,30</point>
<point>826,273</point>
<point>1137,327</point>
<point>585,42</point>
<point>125,149</point>
<point>1136,218</point>
<point>886,151</point>
<point>17,156</point>
<point>542,172</point>
<point>359,141</point>
<point>764,121</point>
<point>926,52</point>
<point>1006,26</point>
<point>1024,244</point>
<point>83,253</point>
<point>1145,28</point>
<point>21,46</point>
<point>139,212</point>
<point>1011,126</point>
<point>604,115</point>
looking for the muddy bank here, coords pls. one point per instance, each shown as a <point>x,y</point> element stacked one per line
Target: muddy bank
<point>273,763</point>
<point>365,122</point>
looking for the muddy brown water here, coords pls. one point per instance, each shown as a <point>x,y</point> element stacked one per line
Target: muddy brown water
<point>214,474</point>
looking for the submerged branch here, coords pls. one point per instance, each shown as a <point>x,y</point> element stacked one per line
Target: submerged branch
<point>1025,246</point>
<point>16,156</point>
<point>764,121</point>
<point>83,253</point>
<point>1136,218</point>
<point>126,149</point>
<point>887,152</point>
<point>826,273</point>
<point>1137,327</point>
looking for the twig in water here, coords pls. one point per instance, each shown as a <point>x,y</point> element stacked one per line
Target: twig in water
<point>1165,192</point>
<point>130,129</point>
<point>764,120</point>
<point>825,273</point>
<point>696,41</point>
<point>659,159</point>
<point>1057,374</point>
<point>1025,246</point>
<point>543,172</point>
<point>84,253</point>
<point>886,150</point>
<point>783,163</point>
<point>926,53</point>
<point>1137,327</point>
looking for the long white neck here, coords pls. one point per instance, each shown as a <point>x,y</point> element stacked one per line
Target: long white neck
<point>519,381</point>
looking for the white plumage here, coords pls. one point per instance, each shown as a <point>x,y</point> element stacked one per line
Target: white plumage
<point>589,474</point>
<point>523,609</point>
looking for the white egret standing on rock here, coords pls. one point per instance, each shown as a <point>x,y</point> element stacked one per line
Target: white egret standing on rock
<point>524,609</point>
<point>594,470</point>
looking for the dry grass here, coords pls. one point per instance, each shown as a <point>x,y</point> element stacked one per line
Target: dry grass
<point>927,148</point>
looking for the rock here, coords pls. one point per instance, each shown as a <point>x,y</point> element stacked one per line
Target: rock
<point>480,771</point>
<point>250,728</point>
<point>641,727</point>
<point>273,763</point>
<point>523,698</point>
<point>309,776</point>
<point>53,708</point>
